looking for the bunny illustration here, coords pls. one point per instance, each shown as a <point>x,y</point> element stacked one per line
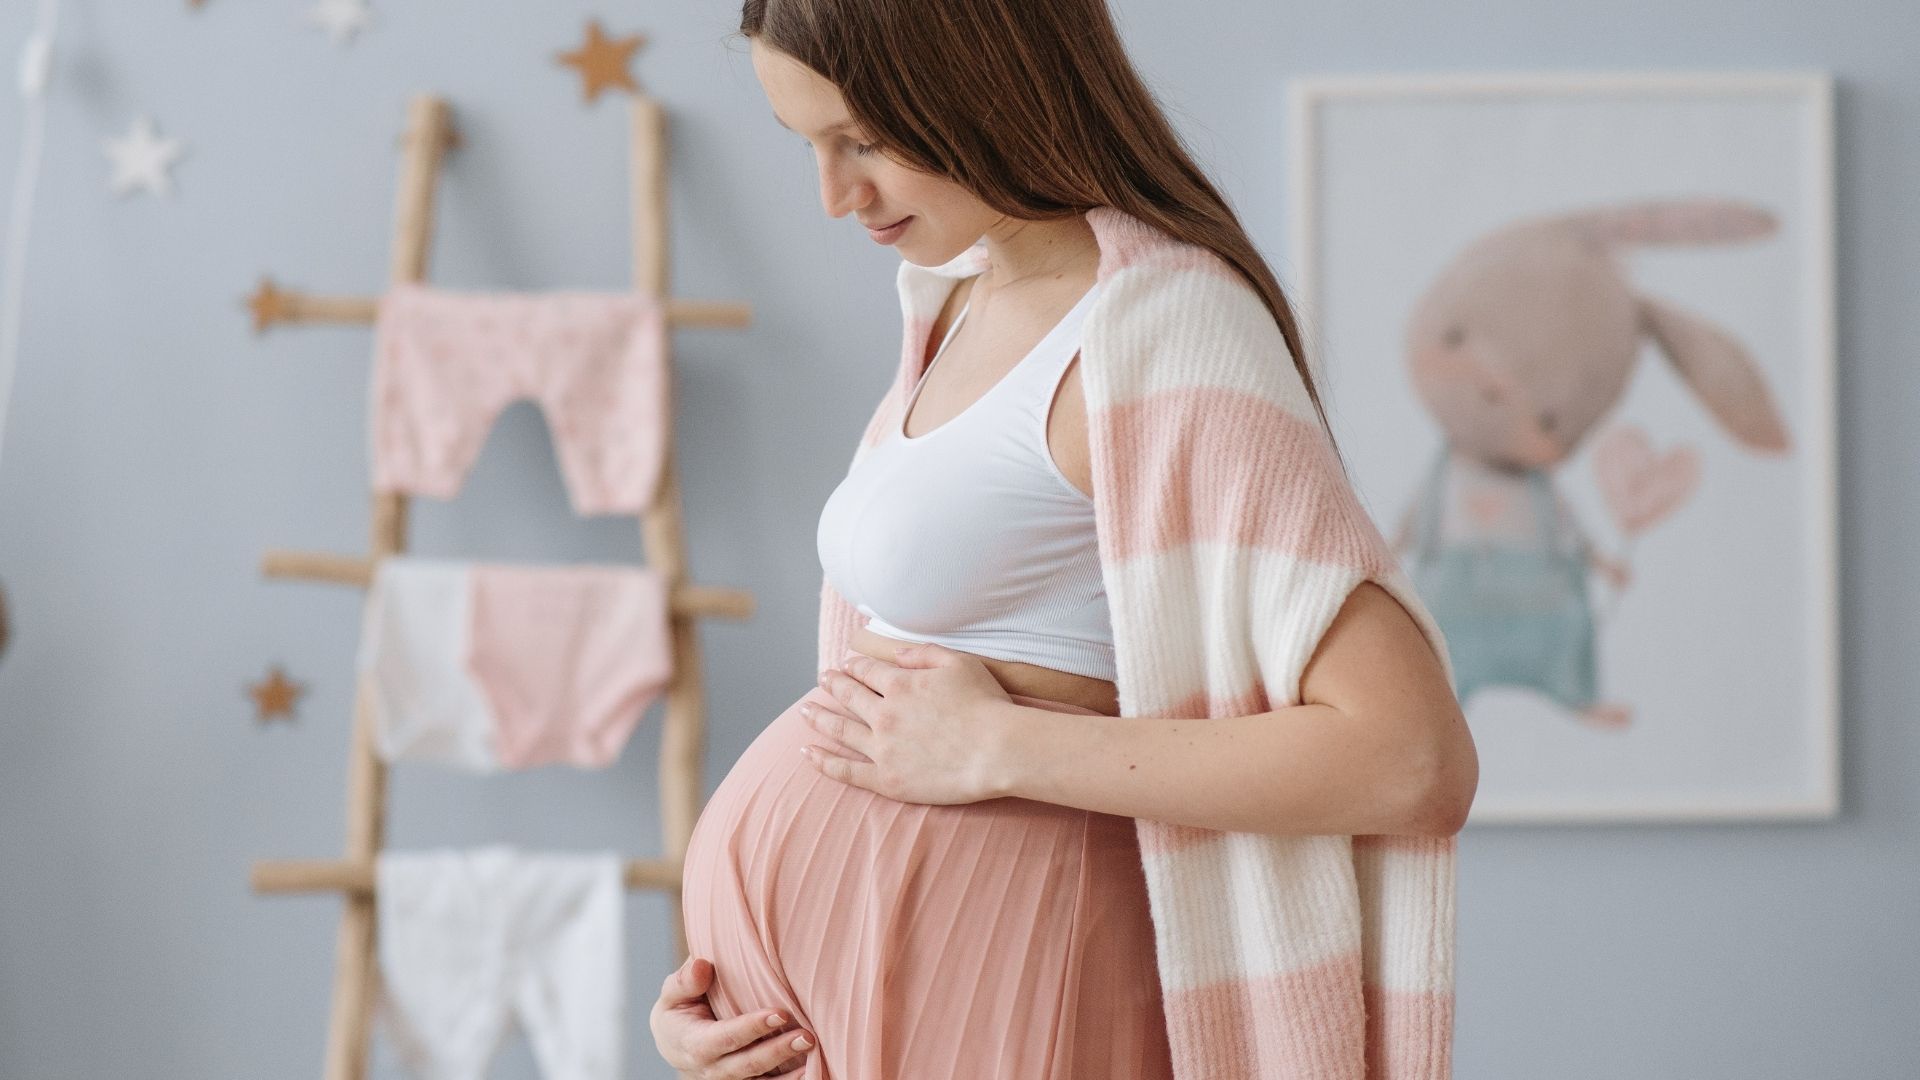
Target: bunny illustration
<point>1520,346</point>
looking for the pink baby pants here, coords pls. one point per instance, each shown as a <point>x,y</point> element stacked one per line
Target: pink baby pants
<point>446,363</point>
<point>569,657</point>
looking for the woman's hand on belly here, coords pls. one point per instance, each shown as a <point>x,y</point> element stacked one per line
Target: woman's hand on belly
<point>699,1046</point>
<point>929,726</point>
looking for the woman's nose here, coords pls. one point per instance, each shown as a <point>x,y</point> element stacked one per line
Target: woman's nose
<point>839,195</point>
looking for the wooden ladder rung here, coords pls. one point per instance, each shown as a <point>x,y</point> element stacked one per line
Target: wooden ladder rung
<point>272,304</point>
<point>687,600</point>
<point>357,877</point>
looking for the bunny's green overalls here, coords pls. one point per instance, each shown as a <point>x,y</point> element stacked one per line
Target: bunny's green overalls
<point>1512,616</point>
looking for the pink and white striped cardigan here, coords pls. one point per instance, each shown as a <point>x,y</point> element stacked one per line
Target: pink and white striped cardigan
<point>1229,538</point>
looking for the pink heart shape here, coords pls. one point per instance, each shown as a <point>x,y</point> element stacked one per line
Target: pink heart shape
<point>1639,488</point>
<point>1487,507</point>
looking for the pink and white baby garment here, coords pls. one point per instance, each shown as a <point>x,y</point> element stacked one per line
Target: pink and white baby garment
<point>468,941</point>
<point>492,666</point>
<point>446,362</point>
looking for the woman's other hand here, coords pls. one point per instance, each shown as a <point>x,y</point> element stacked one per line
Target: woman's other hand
<point>755,1043</point>
<point>928,727</point>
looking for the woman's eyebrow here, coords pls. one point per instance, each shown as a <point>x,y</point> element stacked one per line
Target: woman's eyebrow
<point>847,123</point>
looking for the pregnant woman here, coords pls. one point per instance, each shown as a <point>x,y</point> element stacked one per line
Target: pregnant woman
<point>1093,576</point>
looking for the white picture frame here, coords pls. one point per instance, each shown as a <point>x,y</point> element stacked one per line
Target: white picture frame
<point>1467,252</point>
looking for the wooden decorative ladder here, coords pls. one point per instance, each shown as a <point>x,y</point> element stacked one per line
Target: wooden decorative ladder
<point>429,136</point>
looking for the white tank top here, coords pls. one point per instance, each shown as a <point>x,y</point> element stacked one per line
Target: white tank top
<point>969,535</point>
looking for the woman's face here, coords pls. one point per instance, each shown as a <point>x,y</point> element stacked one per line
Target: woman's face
<point>942,218</point>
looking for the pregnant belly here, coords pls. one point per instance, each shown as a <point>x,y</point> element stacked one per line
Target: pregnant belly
<point>1007,937</point>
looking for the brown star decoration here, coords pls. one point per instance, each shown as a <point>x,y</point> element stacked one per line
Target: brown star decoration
<point>603,61</point>
<point>274,695</point>
<point>269,305</point>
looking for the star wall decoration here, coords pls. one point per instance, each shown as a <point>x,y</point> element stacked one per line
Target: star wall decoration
<point>141,159</point>
<point>341,19</point>
<point>274,696</point>
<point>602,61</point>
<point>268,303</point>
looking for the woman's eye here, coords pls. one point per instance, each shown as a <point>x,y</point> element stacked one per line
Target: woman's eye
<point>863,149</point>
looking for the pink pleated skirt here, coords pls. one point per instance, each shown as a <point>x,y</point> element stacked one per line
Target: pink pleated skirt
<point>999,940</point>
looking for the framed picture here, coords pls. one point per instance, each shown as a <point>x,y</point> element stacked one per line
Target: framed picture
<point>1574,335</point>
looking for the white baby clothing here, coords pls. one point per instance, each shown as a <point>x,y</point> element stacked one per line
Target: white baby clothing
<point>414,641</point>
<point>470,940</point>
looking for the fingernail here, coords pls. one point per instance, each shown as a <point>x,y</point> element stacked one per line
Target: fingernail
<point>802,1042</point>
<point>774,1020</point>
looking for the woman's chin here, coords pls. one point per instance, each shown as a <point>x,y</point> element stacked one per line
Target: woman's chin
<point>906,248</point>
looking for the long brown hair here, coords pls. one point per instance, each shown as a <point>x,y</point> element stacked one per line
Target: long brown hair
<point>1034,107</point>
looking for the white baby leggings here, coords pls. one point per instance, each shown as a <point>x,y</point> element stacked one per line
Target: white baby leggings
<point>469,940</point>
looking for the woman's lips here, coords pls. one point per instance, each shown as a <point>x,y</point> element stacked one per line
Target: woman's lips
<point>892,232</point>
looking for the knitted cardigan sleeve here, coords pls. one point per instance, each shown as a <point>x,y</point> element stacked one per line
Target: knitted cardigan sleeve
<point>1230,539</point>
<point>1212,470</point>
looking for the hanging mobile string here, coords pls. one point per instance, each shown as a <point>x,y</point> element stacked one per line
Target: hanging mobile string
<point>36,66</point>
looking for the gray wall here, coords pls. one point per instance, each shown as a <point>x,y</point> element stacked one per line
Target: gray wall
<point>157,448</point>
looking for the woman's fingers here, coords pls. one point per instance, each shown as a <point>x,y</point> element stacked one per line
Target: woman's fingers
<point>769,1056</point>
<point>756,1043</point>
<point>747,1031</point>
<point>883,675</point>
<point>792,1064</point>
<point>850,732</point>
<point>687,982</point>
<point>856,696</point>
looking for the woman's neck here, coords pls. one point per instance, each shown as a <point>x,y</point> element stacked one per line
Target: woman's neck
<point>1026,252</point>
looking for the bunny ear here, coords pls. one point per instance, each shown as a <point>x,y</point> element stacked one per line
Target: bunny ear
<point>1719,371</point>
<point>1679,221</point>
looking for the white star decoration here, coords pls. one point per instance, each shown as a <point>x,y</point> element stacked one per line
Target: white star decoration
<point>340,18</point>
<point>141,159</point>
